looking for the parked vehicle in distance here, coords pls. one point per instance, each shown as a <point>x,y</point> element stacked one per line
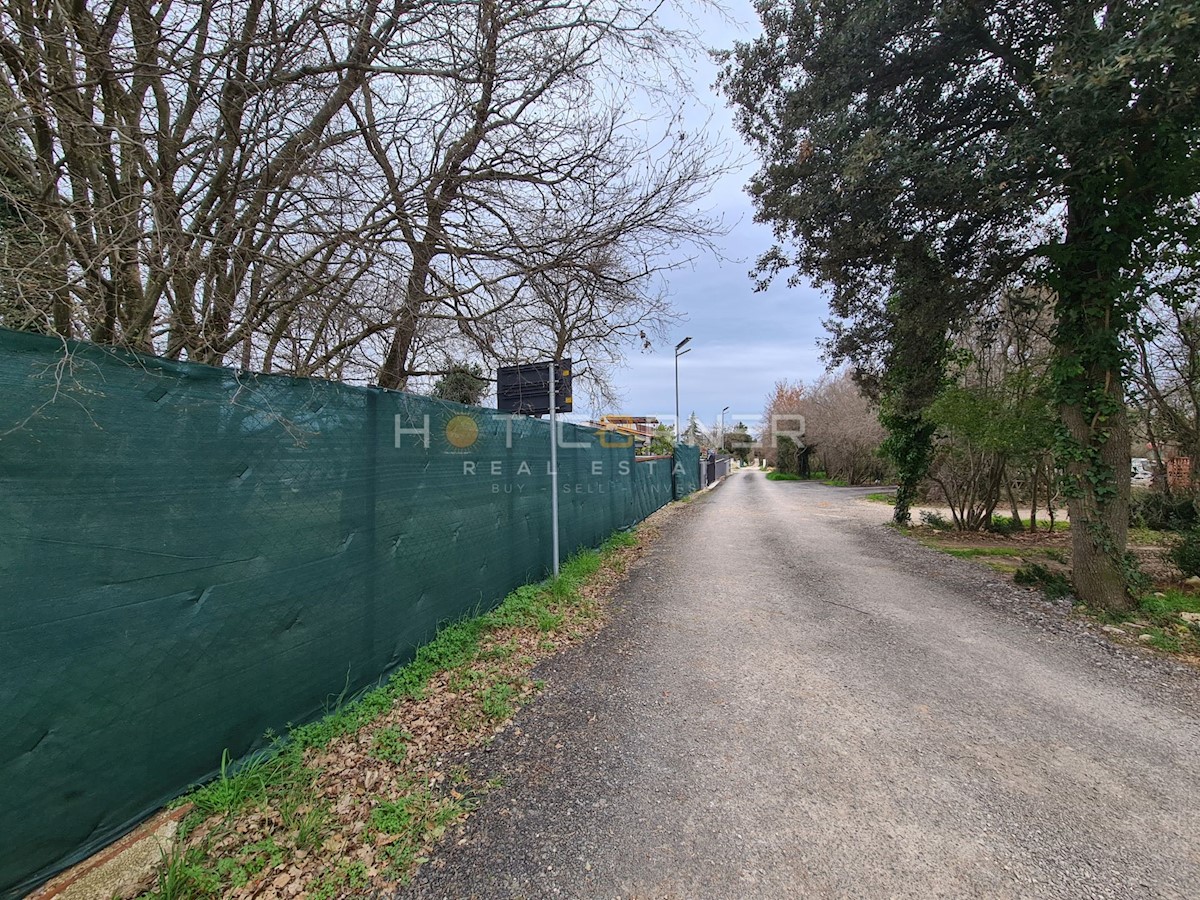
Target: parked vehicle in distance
<point>1141,472</point>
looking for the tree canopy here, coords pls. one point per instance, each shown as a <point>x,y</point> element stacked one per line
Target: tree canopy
<point>464,383</point>
<point>960,149</point>
<point>369,192</point>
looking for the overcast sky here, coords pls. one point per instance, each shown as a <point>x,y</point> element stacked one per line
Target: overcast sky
<point>742,341</point>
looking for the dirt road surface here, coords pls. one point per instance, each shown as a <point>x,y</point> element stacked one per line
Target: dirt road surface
<point>794,701</point>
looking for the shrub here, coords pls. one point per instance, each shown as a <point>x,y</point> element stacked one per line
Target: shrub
<point>1053,584</point>
<point>787,457</point>
<point>1186,553</point>
<point>1153,509</point>
<point>935,520</point>
<point>1003,525</point>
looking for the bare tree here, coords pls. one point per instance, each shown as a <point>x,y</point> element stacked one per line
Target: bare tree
<point>1166,380</point>
<point>350,191</point>
<point>530,163</point>
<point>186,159</point>
<point>843,427</point>
<point>593,311</point>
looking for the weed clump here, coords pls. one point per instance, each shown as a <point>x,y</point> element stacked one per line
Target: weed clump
<point>935,520</point>
<point>1053,584</point>
<point>1186,553</point>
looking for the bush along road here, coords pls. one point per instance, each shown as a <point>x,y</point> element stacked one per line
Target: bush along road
<point>793,700</point>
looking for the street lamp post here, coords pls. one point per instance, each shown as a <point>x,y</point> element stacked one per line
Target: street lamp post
<point>678,353</point>
<point>721,436</point>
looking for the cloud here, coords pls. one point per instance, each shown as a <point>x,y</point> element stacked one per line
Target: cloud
<point>742,341</point>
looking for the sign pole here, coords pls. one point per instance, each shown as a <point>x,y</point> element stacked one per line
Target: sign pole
<point>554,465</point>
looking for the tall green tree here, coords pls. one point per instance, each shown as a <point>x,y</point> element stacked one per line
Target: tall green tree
<point>464,383</point>
<point>1049,142</point>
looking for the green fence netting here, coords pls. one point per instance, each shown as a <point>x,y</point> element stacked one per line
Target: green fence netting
<point>687,470</point>
<point>191,556</point>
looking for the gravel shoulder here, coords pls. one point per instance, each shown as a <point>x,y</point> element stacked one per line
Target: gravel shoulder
<point>794,701</point>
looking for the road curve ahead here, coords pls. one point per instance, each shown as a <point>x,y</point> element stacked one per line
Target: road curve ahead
<point>794,701</point>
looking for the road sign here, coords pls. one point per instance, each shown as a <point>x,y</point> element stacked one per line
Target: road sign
<point>526,389</point>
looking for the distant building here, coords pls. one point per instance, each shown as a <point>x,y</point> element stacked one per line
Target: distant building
<point>638,429</point>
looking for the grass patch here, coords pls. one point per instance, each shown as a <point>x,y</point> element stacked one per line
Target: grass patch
<point>1141,536</point>
<point>496,700</point>
<point>406,824</point>
<point>1161,613</point>
<point>283,811</point>
<point>1164,640</point>
<point>883,497</point>
<point>390,744</point>
<point>783,476</point>
<point>835,482</point>
<point>342,878</point>
<point>974,552</point>
<point>1165,606</point>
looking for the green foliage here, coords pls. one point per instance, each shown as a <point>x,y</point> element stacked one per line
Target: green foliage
<point>909,446</point>
<point>186,874</point>
<point>390,744</point>
<point>495,701</point>
<point>783,476</point>
<point>345,877</point>
<point>663,441</point>
<point>935,520</point>
<point>787,456</point>
<point>882,497</point>
<point>1164,607</point>
<point>183,876</point>
<point>1185,553</point>
<point>1003,525</point>
<point>985,418</point>
<point>737,442</point>
<point>1148,537</point>
<point>464,383</point>
<point>1054,585</point>
<point>415,816</point>
<point>252,859</point>
<point>1157,511</point>
<point>1161,639</point>
<point>914,350</point>
<point>235,787</point>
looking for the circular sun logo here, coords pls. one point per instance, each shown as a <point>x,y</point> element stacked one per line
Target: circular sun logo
<point>462,431</point>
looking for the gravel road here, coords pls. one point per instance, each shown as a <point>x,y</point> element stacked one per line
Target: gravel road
<point>793,701</point>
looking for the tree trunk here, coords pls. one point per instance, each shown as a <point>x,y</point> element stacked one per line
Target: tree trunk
<point>1012,504</point>
<point>1099,520</point>
<point>1092,317</point>
<point>1033,496</point>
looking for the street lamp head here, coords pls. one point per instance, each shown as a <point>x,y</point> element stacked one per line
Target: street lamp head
<point>725,410</point>
<point>681,343</point>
